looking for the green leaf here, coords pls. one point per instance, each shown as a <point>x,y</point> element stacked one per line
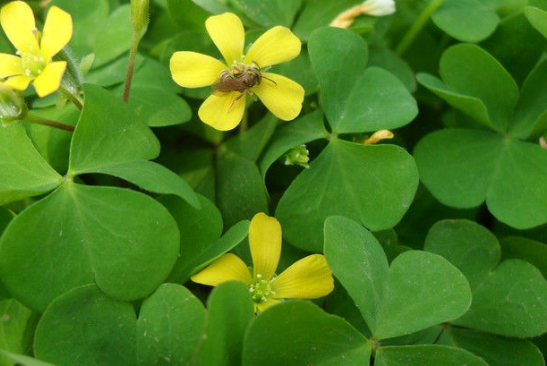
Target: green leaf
<point>123,240</point>
<point>471,106</point>
<point>372,184</point>
<point>384,58</point>
<point>300,131</point>
<point>171,323</point>
<point>16,329</point>
<point>84,327</point>
<point>510,299</point>
<point>299,70</point>
<point>24,360</point>
<point>146,99</point>
<point>240,190</point>
<point>497,351</point>
<point>113,37</point>
<point>355,99</point>
<point>88,17</point>
<point>531,111</point>
<point>187,14</point>
<point>460,67</point>
<point>108,132</point>
<point>428,302</point>
<point>538,18</point>
<point>270,13</point>
<point>227,242</point>
<point>528,250</point>
<point>425,355</point>
<point>113,73</point>
<point>466,20</point>
<point>52,143</point>
<point>463,168</point>
<point>319,13</point>
<point>297,333</point>
<point>24,172</point>
<point>230,309</point>
<point>467,245</point>
<point>516,45</point>
<point>249,145</point>
<point>152,177</point>
<point>199,229</point>
<point>403,299</point>
<point>359,263</point>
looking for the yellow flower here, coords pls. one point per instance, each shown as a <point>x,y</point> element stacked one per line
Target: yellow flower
<point>308,278</point>
<point>224,109</point>
<point>35,51</point>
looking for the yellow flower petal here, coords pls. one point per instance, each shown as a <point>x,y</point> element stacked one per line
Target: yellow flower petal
<point>223,112</point>
<point>309,278</point>
<point>10,65</point>
<point>275,46</point>
<point>265,244</point>
<point>260,307</point>
<point>194,70</point>
<point>50,78</point>
<point>229,267</point>
<point>283,97</point>
<point>226,30</point>
<point>19,82</point>
<point>57,32</point>
<point>17,20</point>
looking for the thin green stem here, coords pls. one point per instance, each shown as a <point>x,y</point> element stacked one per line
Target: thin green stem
<point>131,66</point>
<point>244,125</point>
<point>417,26</point>
<point>72,97</point>
<point>47,122</point>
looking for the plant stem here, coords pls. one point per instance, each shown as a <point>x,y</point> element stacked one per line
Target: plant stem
<point>47,122</point>
<point>131,66</point>
<point>417,26</point>
<point>244,125</point>
<point>73,98</point>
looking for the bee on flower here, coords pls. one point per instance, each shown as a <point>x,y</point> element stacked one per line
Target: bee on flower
<point>240,75</point>
<point>308,278</point>
<point>35,50</point>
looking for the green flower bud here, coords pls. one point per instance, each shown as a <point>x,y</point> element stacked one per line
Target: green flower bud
<point>298,156</point>
<point>12,105</point>
<point>139,15</point>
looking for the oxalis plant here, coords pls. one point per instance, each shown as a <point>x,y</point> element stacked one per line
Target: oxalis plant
<point>273,182</point>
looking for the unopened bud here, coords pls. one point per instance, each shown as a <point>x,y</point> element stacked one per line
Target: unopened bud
<point>298,156</point>
<point>378,8</point>
<point>375,8</point>
<point>139,15</point>
<point>12,104</point>
<point>543,141</point>
<point>378,136</point>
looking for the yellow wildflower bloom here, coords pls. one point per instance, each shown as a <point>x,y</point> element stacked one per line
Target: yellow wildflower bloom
<point>241,74</point>
<point>308,278</point>
<point>35,51</point>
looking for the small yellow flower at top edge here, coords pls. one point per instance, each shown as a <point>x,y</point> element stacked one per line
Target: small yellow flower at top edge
<point>35,51</point>
<point>308,278</point>
<point>241,74</point>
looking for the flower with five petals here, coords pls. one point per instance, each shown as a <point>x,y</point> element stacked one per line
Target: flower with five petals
<point>224,109</point>
<point>308,278</point>
<point>35,51</point>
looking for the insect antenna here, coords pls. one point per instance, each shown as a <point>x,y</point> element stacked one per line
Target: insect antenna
<point>262,76</point>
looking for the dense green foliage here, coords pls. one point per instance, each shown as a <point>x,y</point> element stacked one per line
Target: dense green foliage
<point>437,238</point>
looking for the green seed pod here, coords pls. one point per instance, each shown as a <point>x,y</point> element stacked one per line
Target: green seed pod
<point>139,15</point>
<point>12,105</point>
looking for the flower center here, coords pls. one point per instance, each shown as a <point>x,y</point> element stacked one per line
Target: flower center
<point>32,63</point>
<point>261,290</point>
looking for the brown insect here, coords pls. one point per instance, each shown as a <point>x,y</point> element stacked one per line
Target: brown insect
<point>242,79</point>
